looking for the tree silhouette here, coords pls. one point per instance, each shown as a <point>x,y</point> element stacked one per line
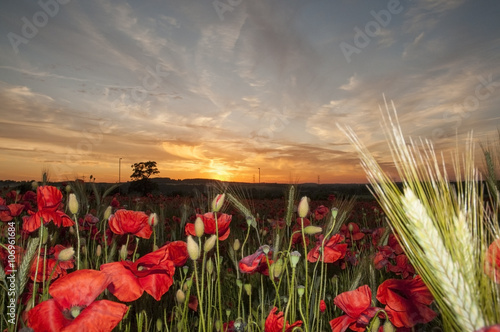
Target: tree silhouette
<point>143,170</point>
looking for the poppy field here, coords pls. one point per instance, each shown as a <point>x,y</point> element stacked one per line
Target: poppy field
<point>85,260</point>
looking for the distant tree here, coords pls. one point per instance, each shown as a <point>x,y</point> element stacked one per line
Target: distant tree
<point>143,170</point>
<point>141,174</point>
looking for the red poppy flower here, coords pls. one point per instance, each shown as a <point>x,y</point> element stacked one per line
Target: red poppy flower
<point>49,200</point>
<point>152,273</point>
<point>8,212</point>
<point>322,306</point>
<point>72,307</point>
<point>492,328</point>
<point>382,257</point>
<point>333,249</point>
<point>256,262</point>
<point>51,265</point>
<point>352,231</point>
<point>274,322</point>
<point>357,306</point>
<point>406,301</point>
<point>492,261</point>
<point>130,222</point>
<point>223,221</point>
<point>321,212</point>
<point>403,267</point>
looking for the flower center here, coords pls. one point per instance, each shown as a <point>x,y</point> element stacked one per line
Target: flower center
<point>75,311</point>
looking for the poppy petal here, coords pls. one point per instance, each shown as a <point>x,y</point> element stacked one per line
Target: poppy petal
<point>46,317</point>
<point>123,284</point>
<point>100,316</point>
<point>78,288</point>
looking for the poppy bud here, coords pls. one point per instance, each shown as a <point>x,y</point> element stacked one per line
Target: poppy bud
<point>218,202</point>
<point>311,230</point>
<point>180,296</point>
<point>199,227</point>
<point>334,211</point>
<point>107,212</point>
<point>210,266</point>
<point>266,248</point>
<point>123,252</point>
<point>276,268</point>
<point>98,250</point>
<point>210,243</point>
<point>217,325</point>
<point>193,248</point>
<point>73,204</point>
<point>248,289</point>
<point>294,258</point>
<point>159,325</point>
<point>300,290</point>
<point>239,283</point>
<point>153,219</point>
<point>67,188</point>
<point>34,185</point>
<point>303,207</point>
<point>350,227</point>
<point>375,324</point>
<point>45,235</point>
<point>236,245</point>
<point>66,254</point>
<point>388,327</point>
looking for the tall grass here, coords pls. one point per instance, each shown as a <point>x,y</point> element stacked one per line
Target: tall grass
<point>445,228</point>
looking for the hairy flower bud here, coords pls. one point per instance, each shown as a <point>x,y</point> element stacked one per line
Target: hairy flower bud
<point>66,254</point>
<point>180,296</point>
<point>311,230</point>
<point>210,266</point>
<point>107,212</point>
<point>153,219</point>
<point>236,245</point>
<point>218,202</point>
<point>276,268</point>
<point>199,227</point>
<point>193,248</point>
<point>210,243</point>
<point>248,289</point>
<point>303,207</point>
<point>73,203</point>
<point>123,252</point>
<point>98,250</point>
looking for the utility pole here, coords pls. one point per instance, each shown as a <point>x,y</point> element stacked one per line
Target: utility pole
<point>119,170</point>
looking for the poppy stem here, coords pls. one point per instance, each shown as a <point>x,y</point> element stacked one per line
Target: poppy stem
<point>218,267</point>
<point>78,242</point>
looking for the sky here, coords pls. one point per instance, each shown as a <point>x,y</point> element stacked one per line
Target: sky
<point>227,89</point>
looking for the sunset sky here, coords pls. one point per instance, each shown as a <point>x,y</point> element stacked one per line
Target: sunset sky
<point>219,89</point>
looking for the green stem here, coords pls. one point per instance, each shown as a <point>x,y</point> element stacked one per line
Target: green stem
<point>78,242</point>
<point>218,268</point>
<point>200,298</point>
<point>306,322</point>
<point>289,300</point>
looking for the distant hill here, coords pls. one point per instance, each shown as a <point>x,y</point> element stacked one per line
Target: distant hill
<point>192,187</point>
